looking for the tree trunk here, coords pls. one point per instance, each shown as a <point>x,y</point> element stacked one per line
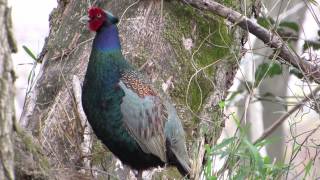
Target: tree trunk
<point>7,76</point>
<point>185,52</point>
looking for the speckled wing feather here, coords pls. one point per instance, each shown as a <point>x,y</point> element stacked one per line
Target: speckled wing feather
<point>176,138</point>
<point>144,114</point>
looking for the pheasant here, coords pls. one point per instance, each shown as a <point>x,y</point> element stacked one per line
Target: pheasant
<point>136,123</point>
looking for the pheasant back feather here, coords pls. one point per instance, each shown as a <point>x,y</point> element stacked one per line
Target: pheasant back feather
<point>132,80</point>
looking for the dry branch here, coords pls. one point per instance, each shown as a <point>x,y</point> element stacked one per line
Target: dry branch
<point>277,123</point>
<point>270,38</point>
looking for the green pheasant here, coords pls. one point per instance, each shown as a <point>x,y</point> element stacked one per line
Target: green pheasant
<point>126,113</point>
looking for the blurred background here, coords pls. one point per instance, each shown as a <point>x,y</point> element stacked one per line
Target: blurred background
<point>31,27</point>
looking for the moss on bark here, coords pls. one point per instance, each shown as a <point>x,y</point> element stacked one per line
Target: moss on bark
<point>211,43</point>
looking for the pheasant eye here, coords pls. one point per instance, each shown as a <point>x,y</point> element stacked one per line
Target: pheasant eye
<point>98,15</point>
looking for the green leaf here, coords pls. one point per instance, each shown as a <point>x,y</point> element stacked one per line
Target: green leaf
<point>275,69</point>
<point>267,70</point>
<point>296,72</point>
<point>296,147</point>
<point>314,44</point>
<point>291,25</point>
<point>232,95</point>
<point>265,142</point>
<point>256,155</point>
<point>265,22</point>
<point>208,168</point>
<point>223,144</point>
<point>307,169</point>
<point>314,2</point>
<point>208,148</point>
<point>267,160</point>
<point>213,178</point>
<point>30,77</point>
<point>222,104</point>
<point>29,52</point>
<point>268,94</point>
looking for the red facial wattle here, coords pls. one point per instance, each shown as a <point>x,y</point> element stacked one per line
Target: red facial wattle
<point>97,17</point>
<point>94,25</point>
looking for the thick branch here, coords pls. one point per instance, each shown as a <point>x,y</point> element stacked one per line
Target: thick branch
<point>269,38</point>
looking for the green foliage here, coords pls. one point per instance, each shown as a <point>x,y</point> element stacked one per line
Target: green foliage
<point>314,44</point>
<point>29,52</point>
<point>266,70</point>
<point>265,22</point>
<point>268,23</point>
<point>222,104</point>
<point>308,169</point>
<point>242,159</point>
<point>288,30</point>
<point>234,94</point>
<point>296,72</point>
<point>314,2</point>
<point>291,25</point>
<point>32,73</point>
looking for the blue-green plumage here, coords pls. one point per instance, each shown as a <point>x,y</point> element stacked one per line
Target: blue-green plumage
<point>101,100</point>
<point>141,128</point>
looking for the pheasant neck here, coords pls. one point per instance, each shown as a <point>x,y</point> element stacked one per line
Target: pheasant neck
<point>107,38</point>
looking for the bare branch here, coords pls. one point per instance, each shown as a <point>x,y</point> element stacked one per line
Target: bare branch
<point>277,123</point>
<point>268,37</point>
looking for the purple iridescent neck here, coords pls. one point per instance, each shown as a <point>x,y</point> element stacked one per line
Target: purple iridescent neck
<point>107,38</point>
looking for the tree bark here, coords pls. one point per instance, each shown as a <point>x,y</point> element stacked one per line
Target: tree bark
<point>184,52</point>
<point>7,113</point>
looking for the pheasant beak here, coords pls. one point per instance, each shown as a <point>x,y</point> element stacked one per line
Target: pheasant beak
<point>84,19</point>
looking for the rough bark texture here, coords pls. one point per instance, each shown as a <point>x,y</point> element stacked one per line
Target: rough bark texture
<point>7,77</point>
<point>173,44</point>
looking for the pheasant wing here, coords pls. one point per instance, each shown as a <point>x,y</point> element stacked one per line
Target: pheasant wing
<point>144,114</point>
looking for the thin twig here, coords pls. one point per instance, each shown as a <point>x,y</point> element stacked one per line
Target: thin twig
<point>277,123</point>
<point>124,12</point>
